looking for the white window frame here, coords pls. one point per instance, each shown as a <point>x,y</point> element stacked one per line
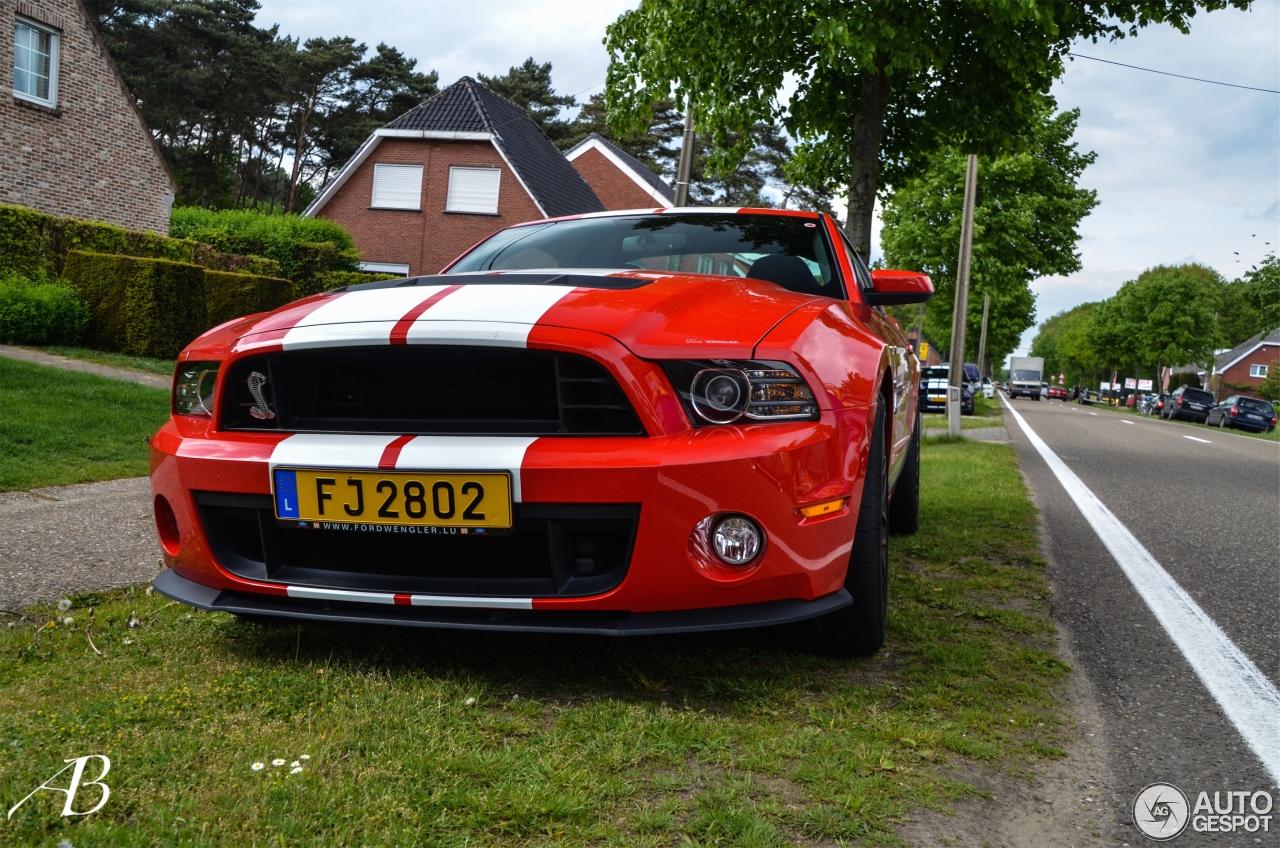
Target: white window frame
<point>451,205</point>
<point>1258,371</point>
<point>406,207</point>
<point>55,52</point>
<point>385,268</point>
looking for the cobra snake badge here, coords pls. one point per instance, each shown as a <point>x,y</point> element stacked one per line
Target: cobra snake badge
<point>259,410</point>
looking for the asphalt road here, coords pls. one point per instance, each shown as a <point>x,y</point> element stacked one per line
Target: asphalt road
<point>1208,509</point>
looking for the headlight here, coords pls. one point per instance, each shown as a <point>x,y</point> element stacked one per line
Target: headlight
<point>193,389</point>
<point>723,391</point>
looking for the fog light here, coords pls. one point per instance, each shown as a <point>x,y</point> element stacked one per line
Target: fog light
<point>737,540</point>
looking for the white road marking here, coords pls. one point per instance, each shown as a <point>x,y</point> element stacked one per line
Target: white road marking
<point>1194,439</point>
<point>1250,701</point>
<point>1122,421</point>
<point>1093,413</point>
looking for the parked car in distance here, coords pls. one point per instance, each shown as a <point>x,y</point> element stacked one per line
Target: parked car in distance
<point>1058,392</point>
<point>933,390</point>
<point>1189,403</point>
<point>1245,413</point>
<point>1044,390</point>
<point>988,388</point>
<point>1147,403</point>
<point>1088,397</point>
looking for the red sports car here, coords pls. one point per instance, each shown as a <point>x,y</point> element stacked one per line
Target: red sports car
<point>630,422</point>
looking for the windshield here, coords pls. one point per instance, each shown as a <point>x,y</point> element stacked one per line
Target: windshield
<point>1030,376</point>
<point>935,373</point>
<point>788,250</point>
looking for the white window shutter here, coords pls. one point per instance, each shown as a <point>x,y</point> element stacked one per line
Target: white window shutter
<point>397,186</point>
<point>473,190</point>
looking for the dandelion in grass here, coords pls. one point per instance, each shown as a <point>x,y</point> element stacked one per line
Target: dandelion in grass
<point>68,621</point>
<point>277,762</point>
<point>258,766</point>
<point>64,604</point>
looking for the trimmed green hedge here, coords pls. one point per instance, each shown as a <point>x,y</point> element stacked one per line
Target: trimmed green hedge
<point>143,307</point>
<point>230,296</point>
<point>40,313</point>
<point>306,248</point>
<point>33,244</point>
<point>331,280</point>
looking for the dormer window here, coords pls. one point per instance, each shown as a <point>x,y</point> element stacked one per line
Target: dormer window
<point>35,63</point>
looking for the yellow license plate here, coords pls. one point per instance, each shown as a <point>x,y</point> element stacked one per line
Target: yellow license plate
<point>937,398</point>
<point>422,498</point>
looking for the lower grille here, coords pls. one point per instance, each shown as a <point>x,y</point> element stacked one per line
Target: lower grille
<point>554,550</point>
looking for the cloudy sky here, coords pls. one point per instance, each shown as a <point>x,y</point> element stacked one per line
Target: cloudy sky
<point>1186,171</point>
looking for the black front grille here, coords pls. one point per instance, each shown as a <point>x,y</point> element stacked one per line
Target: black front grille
<point>553,550</point>
<point>419,390</point>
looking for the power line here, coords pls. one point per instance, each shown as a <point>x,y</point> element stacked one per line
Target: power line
<point>1179,76</point>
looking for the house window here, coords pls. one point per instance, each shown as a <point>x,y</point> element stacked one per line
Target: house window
<point>1258,371</point>
<point>384,268</point>
<point>473,190</point>
<point>706,265</point>
<point>35,63</point>
<point>397,187</point>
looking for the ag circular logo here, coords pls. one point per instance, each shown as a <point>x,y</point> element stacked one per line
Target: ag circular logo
<point>1161,812</point>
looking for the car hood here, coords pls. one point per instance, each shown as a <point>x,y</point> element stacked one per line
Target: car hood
<point>654,314</point>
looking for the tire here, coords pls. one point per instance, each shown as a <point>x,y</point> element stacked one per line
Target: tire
<point>1037,397</point>
<point>860,628</point>
<point>904,509</point>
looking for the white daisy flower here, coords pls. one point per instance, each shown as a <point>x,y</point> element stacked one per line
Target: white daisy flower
<point>126,641</point>
<point>258,766</point>
<point>470,702</point>
<point>277,762</point>
<point>305,757</point>
<point>64,604</point>
<point>295,769</point>
<point>295,764</point>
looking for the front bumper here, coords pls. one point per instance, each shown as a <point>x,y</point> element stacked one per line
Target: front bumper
<point>675,482</point>
<point>764,614</point>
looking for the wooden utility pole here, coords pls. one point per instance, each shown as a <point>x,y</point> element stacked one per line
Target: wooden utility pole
<point>685,169</point>
<point>955,373</point>
<point>982,340</point>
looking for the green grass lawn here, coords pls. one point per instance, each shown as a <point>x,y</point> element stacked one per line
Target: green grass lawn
<point>119,360</point>
<point>61,426</point>
<point>453,739</point>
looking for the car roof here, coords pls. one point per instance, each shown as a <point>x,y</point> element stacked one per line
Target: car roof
<point>681,210</point>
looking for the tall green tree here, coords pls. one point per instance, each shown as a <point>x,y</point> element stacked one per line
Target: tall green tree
<point>881,86</point>
<point>1263,292</point>
<point>1063,341</point>
<point>1165,317</point>
<point>1026,225</point>
<point>529,86</point>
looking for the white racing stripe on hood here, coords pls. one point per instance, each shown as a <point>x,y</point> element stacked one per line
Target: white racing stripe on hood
<point>467,453</point>
<point>486,314</point>
<point>313,450</point>
<point>357,318</point>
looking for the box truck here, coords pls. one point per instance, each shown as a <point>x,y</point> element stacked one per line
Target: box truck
<point>1024,376</point>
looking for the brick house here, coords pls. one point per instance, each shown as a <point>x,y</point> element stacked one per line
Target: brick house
<point>1249,363</point>
<point>445,175</point>
<point>620,180</point>
<point>72,141</point>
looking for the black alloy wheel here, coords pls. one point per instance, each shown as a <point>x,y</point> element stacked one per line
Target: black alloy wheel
<point>860,628</point>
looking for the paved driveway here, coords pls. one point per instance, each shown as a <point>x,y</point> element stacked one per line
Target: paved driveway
<point>67,539</point>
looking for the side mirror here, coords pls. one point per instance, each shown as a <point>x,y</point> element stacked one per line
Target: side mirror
<point>896,287</point>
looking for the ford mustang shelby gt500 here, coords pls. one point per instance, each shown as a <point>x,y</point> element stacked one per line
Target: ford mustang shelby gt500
<point>630,422</point>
